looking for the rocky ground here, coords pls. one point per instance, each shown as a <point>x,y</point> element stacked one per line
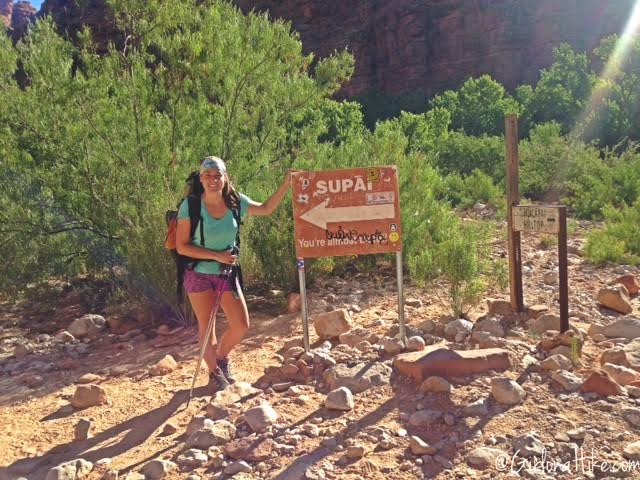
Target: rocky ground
<point>500,395</point>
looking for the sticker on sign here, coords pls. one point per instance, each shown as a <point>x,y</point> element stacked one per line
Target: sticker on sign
<point>528,218</point>
<point>346,212</point>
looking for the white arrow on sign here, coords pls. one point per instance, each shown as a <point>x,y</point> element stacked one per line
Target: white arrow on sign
<point>321,215</point>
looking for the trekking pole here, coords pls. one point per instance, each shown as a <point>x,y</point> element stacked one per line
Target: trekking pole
<point>205,341</point>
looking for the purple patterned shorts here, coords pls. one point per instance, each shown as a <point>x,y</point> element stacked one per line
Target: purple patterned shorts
<point>195,282</point>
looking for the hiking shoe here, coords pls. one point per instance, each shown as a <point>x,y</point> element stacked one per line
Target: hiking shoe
<point>217,380</point>
<point>223,364</point>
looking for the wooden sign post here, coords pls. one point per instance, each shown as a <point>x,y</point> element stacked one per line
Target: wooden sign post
<point>513,198</point>
<point>531,218</point>
<point>347,212</point>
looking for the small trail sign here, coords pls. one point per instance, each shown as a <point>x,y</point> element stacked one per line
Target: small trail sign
<point>346,212</point>
<point>528,218</point>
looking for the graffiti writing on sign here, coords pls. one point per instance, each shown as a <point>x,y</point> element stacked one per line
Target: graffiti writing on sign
<point>535,219</point>
<point>352,236</point>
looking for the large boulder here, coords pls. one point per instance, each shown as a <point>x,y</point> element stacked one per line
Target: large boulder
<point>330,325</point>
<point>438,360</point>
<point>615,298</point>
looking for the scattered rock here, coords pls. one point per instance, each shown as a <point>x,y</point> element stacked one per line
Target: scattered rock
<point>490,325</point>
<point>556,362</point>
<point>435,384</point>
<point>415,344</point>
<point>630,282</point>
<point>169,428</point>
<point>632,415</point>
<point>294,302</point>
<point>567,380</point>
<point>622,375</point>
<point>600,382</point>
<point>88,325</point>
<point>358,378</point>
<point>427,326</point>
<point>238,467</point>
<point>88,396</point>
<point>528,445</point>
<point>158,468</point>
<point>632,451</point>
<point>483,457</point>
<point>548,321</point>
<point>261,417</point>
<point>21,350</point>
<point>392,346</point>
<point>220,433</point>
<point>331,324</point>
<point>81,429</point>
<point>164,366</point>
<point>615,298</point>
<point>73,470</point>
<point>64,337</point>
<point>339,399</point>
<point>250,449</point>
<point>88,378</point>
<point>196,423</point>
<point>624,327</point>
<point>424,418</point>
<point>234,393</point>
<point>499,307</point>
<point>350,338</point>
<point>420,447</point>
<point>479,408</point>
<point>355,452</point>
<point>506,391</point>
<point>192,458</point>
<point>458,327</point>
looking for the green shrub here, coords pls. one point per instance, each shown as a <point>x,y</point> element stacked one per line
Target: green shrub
<point>618,241</point>
<point>462,154</point>
<point>466,192</point>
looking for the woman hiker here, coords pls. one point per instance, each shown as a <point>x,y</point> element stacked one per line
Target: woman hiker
<point>205,280</point>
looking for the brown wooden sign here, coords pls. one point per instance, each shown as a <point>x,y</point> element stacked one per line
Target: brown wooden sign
<point>346,212</point>
<point>531,218</point>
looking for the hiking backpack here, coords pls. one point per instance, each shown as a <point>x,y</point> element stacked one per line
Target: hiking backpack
<point>193,192</point>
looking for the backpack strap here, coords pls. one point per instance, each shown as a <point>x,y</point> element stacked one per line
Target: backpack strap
<point>237,269</point>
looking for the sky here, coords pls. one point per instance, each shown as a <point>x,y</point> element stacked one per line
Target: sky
<point>36,3</point>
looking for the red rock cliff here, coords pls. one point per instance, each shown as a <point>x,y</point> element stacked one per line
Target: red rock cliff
<point>16,16</point>
<point>436,44</point>
<point>404,45</point>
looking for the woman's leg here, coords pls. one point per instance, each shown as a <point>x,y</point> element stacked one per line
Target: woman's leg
<point>202,303</point>
<point>235,309</point>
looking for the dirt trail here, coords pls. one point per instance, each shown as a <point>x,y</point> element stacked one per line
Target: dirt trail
<point>37,424</point>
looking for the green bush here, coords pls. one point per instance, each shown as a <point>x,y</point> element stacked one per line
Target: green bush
<point>464,192</point>
<point>462,154</point>
<point>618,241</point>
